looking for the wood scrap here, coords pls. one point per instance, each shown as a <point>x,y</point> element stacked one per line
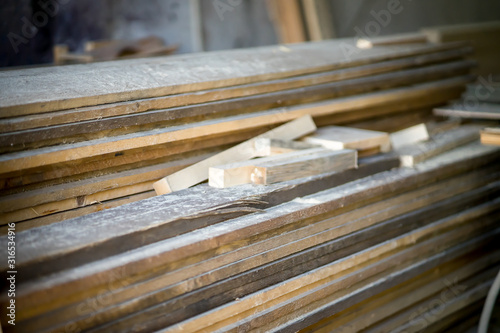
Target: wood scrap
<point>338,137</point>
<point>409,135</point>
<point>404,38</point>
<point>474,110</point>
<point>490,136</point>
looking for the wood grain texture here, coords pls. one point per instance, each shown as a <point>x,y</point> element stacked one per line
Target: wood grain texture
<point>340,137</point>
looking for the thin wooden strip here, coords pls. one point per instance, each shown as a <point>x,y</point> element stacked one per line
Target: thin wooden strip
<point>404,38</point>
<point>45,90</point>
<point>474,110</point>
<point>132,107</point>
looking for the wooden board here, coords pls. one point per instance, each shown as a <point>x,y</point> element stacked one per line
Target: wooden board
<point>287,20</point>
<point>318,19</point>
<point>339,137</point>
<point>285,169</point>
<point>52,89</point>
<point>409,135</point>
<point>161,118</point>
<point>148,104</point>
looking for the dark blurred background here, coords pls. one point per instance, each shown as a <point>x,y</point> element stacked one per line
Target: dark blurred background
<point>197,25</point>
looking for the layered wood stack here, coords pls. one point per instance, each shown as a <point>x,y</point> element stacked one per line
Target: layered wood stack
<point>84,138</point>
<point>377,248</point>
<point>373,247</point>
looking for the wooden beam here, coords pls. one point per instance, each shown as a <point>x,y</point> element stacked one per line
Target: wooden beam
<point>409,135</point>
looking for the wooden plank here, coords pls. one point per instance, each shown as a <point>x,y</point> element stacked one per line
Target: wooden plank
<point>48,89</point>
<point>238,173</point>
<point>265,222</point>
<point>284,169</point>
<point>167,214</point>
<point>490,136</point>
<point>199,172</point>
<point>307,287</point>
<point>87,284</point>
<point>397,39</point>
<point>339,137</point>
<point>410,135</point>
<point>383,306</point>
<point>243,281</point>
<point>143,105</point>
<point>414,154</point>
<point>287,20</point>
<point>474,111</point>
<point>154,119</point>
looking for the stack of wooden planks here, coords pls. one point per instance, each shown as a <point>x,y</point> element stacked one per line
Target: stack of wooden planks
<point>84,138</point>
<point>377,248</point>
<point>373,242</point>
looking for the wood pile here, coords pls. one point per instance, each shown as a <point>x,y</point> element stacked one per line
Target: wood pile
<point>84,138</point>
<point>373,243</point>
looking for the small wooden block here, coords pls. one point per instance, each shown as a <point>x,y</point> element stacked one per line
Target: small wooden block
<point>490,136</point>
<point>284,169</point>
<point>338,137</point>
<point>409,136</point>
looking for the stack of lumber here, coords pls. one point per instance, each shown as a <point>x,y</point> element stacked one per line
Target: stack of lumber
<point>83,138</point>
<point>374,248</point>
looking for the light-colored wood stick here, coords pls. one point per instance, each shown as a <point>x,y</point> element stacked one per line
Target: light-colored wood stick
<point>413,154</point>
<point>339,137</point>
<point>409,135</point>
<point>490,136</point>
<point>405,38</point>
<point>198,172</point>
<point>303,166</point>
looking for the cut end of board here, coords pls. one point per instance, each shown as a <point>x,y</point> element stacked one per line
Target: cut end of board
<point>162,187</point>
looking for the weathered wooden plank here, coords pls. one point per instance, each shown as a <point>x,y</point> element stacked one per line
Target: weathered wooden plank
<point>49,155</point>
<point>173,116</point>
<point>303,286</point>
<point>51,89</point>
<point>275,272</point>
<point>143,105</point>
